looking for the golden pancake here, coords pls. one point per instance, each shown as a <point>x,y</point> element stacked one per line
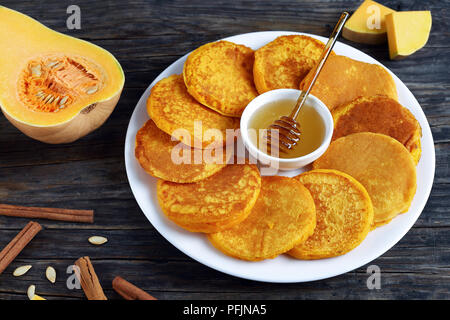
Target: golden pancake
<point>172,108</point>
<point>220,76</point>
<point>379,224</point>
<point>344,214</point>
<point>285,61</point>
<point>277,222</point>
<point>379,114</point>
<point>381,164</point>
<point>343,79</point>
<point>210,227</point>
<point>212,204</point>
<point>154,152</point>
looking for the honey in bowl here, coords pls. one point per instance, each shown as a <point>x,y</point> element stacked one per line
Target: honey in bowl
<point>312,127</point>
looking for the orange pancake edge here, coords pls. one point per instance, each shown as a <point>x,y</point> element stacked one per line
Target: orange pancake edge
<point>175,112</point>
<point>343,79</point>
<point>381,164</point>
<point>379,114</point>
<point>153,151</point>
<point>276,223</point>
<point>212,204</point>
<point>212,227</point>
<point>285,61</point>
<point>344,214</point>
<point>379,224</point>
<point>220,75</point>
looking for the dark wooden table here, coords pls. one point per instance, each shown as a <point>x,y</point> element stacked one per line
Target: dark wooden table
<point>147,36</point>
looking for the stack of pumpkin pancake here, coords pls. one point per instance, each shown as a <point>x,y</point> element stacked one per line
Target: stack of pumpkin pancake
<point>365,178</point>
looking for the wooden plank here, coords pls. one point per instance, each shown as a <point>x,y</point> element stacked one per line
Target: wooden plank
<point>189,280</point>
<point>423,247</point>
<point>146,37</point>
<point>202,18</point>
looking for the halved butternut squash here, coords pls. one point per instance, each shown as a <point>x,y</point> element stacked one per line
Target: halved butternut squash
<point>53,87</point>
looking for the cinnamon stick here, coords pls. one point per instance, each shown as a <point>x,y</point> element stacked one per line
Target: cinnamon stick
<point>129,291</point>
<point>47,213</point>
<point>10,252</point>
<point>89,280</point>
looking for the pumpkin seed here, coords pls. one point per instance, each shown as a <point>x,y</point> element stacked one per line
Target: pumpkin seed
<point>48,98</point>
<point>50,273</point>
<point>63,100</point>
<point>92,90</point>
<point>31,291</point>
<point>97,240</point>
<point>36,71</point>
<point>20,271</point>
<point>52,64</point>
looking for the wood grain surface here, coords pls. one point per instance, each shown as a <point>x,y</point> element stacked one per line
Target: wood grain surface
<point>147,36</point>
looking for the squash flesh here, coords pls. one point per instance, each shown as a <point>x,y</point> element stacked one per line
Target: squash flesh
<point>408,32</point>
<point>356,29</point>
<point>24,41</point>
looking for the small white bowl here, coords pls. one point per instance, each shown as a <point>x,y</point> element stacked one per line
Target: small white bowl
<point>285,94</point>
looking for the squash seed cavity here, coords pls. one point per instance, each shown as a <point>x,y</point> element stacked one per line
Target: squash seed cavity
<point>54,82</point>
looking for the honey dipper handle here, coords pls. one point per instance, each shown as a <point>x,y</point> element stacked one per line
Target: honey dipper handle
<point>323,58</point>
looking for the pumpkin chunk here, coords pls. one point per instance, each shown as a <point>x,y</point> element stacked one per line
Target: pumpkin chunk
<point>408,32</point>
<point>367,23</point>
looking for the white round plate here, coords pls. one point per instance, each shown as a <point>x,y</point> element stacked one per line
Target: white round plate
<point>282,268</point>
